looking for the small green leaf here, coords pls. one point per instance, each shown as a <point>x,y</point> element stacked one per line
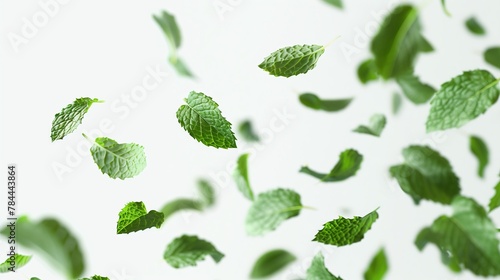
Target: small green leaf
<point>367,71</point>
<point>414,89</point>
<point>396,45</point>
<point>71,117</point>
<point>271,263</point>
<point>330,105</point>
<point>347,166</point>
<point>53,240</point>
<point>474,26</point>
<point>426,175</point>
<point>342,231</point>
<point>134,217</point>
<point>35,278</point>
<point>168,24</point>
<point>118,160</point>
<point>396,103</point>
<point>240,176</point>
<point>246,131</point>
<point>187,250</point>
<point>492,56</point>
<point>425,46</point>
<point>292,61</point>
<point>270,209</point>
<point>207,193</point>
<point>495,200</point>
<point>335,3</point>
<point>203,120</point>
<point>180,66</point>
<point>443,4</point>
<point>480,150</point>
<point>19,261</point>
<point>378,267</point>
<point>468,237</point>
<point>95,277</point>
<point>181,204</point>
<point>318,271</point>
<point>376,126</point>
<point>462,99</point>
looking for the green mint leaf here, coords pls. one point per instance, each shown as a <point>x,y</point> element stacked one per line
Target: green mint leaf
<point>134,217</point>
<point>95,277</point>
<point>207,193</point>
<point>246,131</point>
<point>118,160</point>
<point>318,271</point>
<point>181,204</point>
<point>187,250</point>
<point>180,66</point>
<point>271,262</point>
<point>376,126</point>
<point>203,120</point>
<point>70,117</point>
<point>20,261</point>
<point>330,105</point>
<point>398,42</point>
<point>240,176</point>
<point>474,26</point>
<point>425,46</point>
<point>378,267</point>
<point>426,175</point>
<point>469,237</point>
<point>347,166</point>
<point>443,4</point>
<point>335,3</point>
<point>396,103</point>
<point>292,61</point>
<point>414,89</point>
<point>35,278</point>
<point>167,23</point>
<point>270,209</point>
<point>480,150</point>
<point>462,99</point>
<point>492,56</point>
<point>495,200</point>
<point>53,240</point>
<point>367,71</point>
<point>342,231</point>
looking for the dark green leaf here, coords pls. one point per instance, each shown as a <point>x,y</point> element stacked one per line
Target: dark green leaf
<point>480,150</point>
<point>414,89</point>
<point>492,56</point>
<point>246,131</point>
<point>240,176</point>
<point>271,263</point>
<point>378,267</point>
<point>347,166</point>
<point>335,3</point>
<point>495,200</point>
<point>474,26</point>
<point>367,71</point>
<point>330,105</point>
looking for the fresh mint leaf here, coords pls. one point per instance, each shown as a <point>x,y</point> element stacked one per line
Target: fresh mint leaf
<point>347,166</point>
<point>95,277</point>
<point>203,120</point>
<point>342,231</point>
<point>180,66</point>
<point>480,150</point>
<point>271,262</point>
<point>426,175</point>
<point>495,200</point>
<point>378,267</point>
<point>181,204</point>
<point>312,101</point>
<point>292,61</point>
<point>53,240</point>
<point>318,271</point>
<point>492,56</point>
<point>270,209</point>
<point>474,26</point>
<point>134,217</point>
<point>246,131</point>
<point>71,117</point>
<point>20,261</point>
<point>469,237</point>
<point>240,176</point>
<point>462,99</point>
<point>207,193</point>
<point>398,42</point>
<point>396,103</point>
<point>414,89</point>
<point>118,160</point>
<point>367,71</point>
<point>376,126</point>
<point>187,250</point>
<point>335,3</point>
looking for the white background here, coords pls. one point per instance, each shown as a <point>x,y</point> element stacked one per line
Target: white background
<point>103,49</point>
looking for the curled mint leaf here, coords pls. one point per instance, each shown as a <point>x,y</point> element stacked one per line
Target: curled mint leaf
<point>318,271</point>
<point>188,250</point>
<point>474,26</point>
<point>240,176</point>
<point>246,131</point>
<point>203,120</point>
<point>347,166</point>
<point>292,61</point>
<point>495,200</point>
<point>367,71</point>
<point>480,150</point>
<point>416,91</point>
<point>19,260</point>
<point>71,117</point>
<point>271,262</point>
<point>376,126</point>
<point>312,101</point>
<point>134,217</point>
<point>378,267</point>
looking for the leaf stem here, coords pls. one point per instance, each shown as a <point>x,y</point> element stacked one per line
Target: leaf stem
<point>331,42</point>
<point>99,101</point>
<point>88,138</point>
